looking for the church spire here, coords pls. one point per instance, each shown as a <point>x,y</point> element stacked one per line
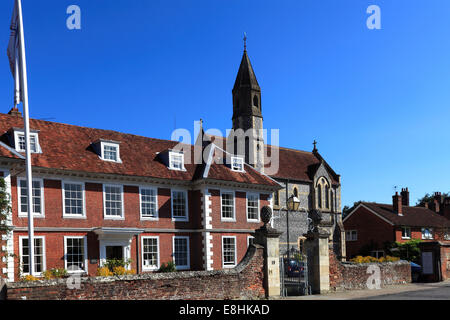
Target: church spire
<point>246,76</point>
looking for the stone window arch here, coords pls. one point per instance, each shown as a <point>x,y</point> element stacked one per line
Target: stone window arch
<point>323,194</point>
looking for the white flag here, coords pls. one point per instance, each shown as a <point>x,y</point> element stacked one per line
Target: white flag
<point>14,55</point>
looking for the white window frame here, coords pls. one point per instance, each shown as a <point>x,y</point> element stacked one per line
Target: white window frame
<point>257,209</point>
<point>222,218</point>
<point>447,234</point>
<point>18,133</point>
<point>19,195</point>
<point>186,200</point>
<point>175,153</point>
<point>188,265</point>
<point>353,235</point>
<point>154,267</point>
<point>431,230</point>
<point>406,237</point>
<point>103,144</point>
<point>236,169</point>
<point>85,270</point>
<point>235,252</point>
<point>63,188</point>
<point>44,256</point>
<point>156,217</point>
<point>106,217</point>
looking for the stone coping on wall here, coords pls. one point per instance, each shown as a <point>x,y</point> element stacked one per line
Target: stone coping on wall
<point>145,276</point>
<point>356,264</point>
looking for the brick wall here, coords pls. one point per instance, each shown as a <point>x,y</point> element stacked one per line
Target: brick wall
<point>445,261</point>
<point>246,281</point>
<point>352,276</point>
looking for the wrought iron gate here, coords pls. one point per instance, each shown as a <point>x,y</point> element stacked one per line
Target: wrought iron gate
<point>294,274</point>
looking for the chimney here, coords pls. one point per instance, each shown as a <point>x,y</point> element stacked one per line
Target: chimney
<point>397,204</point>
<point>405,197</point>
<point>445,209</point>
<point>15,112</point>
<point>437,202</point>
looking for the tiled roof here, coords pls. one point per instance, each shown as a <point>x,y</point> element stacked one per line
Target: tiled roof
<point>69,147</point>
<point>412,216</point>
<point>294,164</point>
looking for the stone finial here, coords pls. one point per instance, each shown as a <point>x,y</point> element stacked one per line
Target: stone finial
<point>266,214</point>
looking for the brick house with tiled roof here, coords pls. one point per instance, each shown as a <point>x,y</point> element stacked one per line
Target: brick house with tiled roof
<point>371,225</point>
<point>101,194</point>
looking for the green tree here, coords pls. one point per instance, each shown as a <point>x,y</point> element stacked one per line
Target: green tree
<point>408,251</point>
<point>5,210</point>
<point>428,198</point>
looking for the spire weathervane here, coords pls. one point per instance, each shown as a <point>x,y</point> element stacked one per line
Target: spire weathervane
<point>245,41</point>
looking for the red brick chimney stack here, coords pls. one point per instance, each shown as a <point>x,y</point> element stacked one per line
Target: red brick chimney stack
<point>437,202</point>
<point>397,204</point>
<point>445,209</point>
<point>405,197</point>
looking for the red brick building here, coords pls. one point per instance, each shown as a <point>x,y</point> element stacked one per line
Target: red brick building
<point>370,225</point>
<point>100,194</point>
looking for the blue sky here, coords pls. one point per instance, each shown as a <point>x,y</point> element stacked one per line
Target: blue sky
<point>377,101</point>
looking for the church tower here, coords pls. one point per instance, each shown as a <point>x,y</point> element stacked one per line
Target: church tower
<point>247,112</point>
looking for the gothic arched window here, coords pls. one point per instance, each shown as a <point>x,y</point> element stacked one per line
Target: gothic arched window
<point>255,101</point>
<point>295,192</point>
<point>319,196</point>
<point>323,193</point>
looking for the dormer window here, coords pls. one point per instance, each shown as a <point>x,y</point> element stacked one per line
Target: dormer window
<point>237,164</point>
<point>109,150</point>
<point>19,140</point>
<point>176,160</point>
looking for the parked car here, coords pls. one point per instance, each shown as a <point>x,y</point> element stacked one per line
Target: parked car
<point>416,270</point>
<point>294,268</point>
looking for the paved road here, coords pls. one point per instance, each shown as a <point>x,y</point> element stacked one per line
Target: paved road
<point>441,292</point>
<point>413,291</point>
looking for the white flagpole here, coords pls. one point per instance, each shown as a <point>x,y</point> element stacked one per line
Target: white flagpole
<point>24,84</point>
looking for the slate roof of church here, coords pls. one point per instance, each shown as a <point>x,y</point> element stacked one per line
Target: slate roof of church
<point>295,165</point>
<point>412,216</point>
<point>69,147</point>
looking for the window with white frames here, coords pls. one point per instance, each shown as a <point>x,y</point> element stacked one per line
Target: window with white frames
<point>252,207</point>
<point>229,252</point>
<point>19,138</point>
<point>447,234</point>
<point>37,197</point>
<point>351,235</point>
<point>179,205</point>
<point>427,233</point>
<point>150,253</point>
<point>149,203</point>
<point>39,255</point>
<point>176,160</point>
<point>237,164</point>
<point>113,201</point>
<point>406,233</point>
<point>227,205</point>
<point>181,252</point>
<point>110,151</point>
<point>75,254</point>
<point>73,199</point>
